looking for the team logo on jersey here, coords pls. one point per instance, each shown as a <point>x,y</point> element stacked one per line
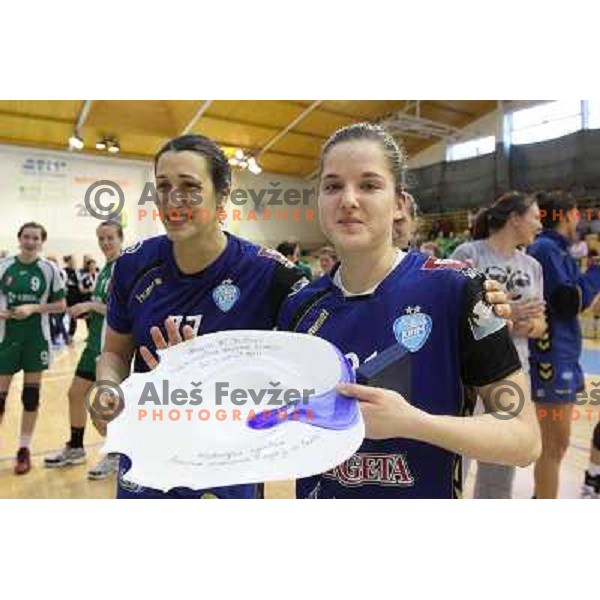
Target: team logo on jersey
<point>134,248</point>
<point>226,295</point>
<point>413,329</point>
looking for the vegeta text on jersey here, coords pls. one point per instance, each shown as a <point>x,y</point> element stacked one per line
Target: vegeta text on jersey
<point>441,317</point>
<point>372,467</point>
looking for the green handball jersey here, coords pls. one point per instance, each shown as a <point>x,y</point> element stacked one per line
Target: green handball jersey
<point>24,344</point>
<point>97,321</point>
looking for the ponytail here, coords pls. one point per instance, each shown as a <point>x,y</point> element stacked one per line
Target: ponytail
<point>481,225</point>
<point>495,217</point>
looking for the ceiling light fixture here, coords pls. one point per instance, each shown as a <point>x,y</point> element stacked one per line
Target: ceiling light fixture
<point>113,147</point>
<point>76,142</point>
<point>244,162</point>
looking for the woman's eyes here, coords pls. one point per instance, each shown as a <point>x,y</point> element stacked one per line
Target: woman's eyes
<point>165,188</point>
<point>368,186</point>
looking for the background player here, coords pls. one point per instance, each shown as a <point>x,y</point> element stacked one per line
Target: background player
<point>499,231</point>
<point>110,240</point>
<point>406,221</point>
<point>556,376</point>
<point>30,290</point>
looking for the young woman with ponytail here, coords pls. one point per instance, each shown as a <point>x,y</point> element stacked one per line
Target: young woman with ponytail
<point>499,232</point>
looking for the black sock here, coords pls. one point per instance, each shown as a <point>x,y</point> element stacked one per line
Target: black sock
<point>76,437</point>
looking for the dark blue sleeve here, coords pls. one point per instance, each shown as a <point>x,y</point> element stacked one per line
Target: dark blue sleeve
<point>117,313</point>
<point>553,266</point>
<point>566,289</point>
<point>486,351</point>
<point>284,281</point>
<point>589,284</point>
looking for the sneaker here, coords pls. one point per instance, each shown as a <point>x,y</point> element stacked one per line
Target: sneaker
<point>105,468</point>
<point>23,464</point>
<point>65,457</point>
<point>590,490</point>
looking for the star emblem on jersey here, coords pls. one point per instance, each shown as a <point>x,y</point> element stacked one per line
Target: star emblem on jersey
<point>226,295</point>
<point>413,329</point>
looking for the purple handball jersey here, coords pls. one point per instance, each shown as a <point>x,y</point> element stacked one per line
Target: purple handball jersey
<point>437,311</point>
<point>243,289</point>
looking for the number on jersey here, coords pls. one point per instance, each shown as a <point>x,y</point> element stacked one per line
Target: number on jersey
<point>182,320</point>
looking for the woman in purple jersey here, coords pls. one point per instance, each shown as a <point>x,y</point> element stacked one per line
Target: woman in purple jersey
<point>360,192</point>
<point>193,278</point>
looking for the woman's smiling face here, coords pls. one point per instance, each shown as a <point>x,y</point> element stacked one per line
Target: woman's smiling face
<point>357,196</point>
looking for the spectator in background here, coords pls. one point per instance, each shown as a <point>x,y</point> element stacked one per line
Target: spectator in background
<point>404,227</point>
<point>447,227</point>
<point>73,293</point>
<point>3,254</point>
<point>57,322</point>
<point>87,280</point>
<point>436,230</point>
<point>431,249</point>
<point>291,250</point>
<point>87,283</point>
<point>327,259</point>
<point>447,244</point>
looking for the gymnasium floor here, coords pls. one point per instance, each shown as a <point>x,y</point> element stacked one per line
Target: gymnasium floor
<point>72,482</point>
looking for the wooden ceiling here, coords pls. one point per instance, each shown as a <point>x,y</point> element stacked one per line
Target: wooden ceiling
<point>285,135</point>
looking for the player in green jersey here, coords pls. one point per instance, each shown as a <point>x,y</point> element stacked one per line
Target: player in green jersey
<point>110,240</point>
<point>30,290</point>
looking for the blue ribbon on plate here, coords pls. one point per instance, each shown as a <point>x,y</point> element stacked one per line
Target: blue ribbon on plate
<point>330,410</point>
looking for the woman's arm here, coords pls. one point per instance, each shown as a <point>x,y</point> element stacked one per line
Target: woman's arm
<point>508,434</point>
<point>26,310</point>
<point>85,307</point>
<point>113,365</point>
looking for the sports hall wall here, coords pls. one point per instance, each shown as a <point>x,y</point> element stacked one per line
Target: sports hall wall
<point>571,162</point>
<point>49,186</point>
